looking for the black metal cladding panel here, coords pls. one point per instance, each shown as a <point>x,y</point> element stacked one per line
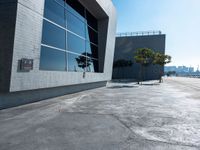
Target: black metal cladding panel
<point>125,48</point>
<point>8,10</point>
<point>8,1</point>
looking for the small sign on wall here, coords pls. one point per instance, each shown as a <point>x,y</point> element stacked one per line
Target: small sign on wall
<point>26,64</point>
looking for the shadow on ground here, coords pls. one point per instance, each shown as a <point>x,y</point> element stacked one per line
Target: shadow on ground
<point>123,86</point>
<point>149,84</point>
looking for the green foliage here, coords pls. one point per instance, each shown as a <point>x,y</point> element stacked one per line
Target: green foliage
<point>144,56</point>
<point>161,59</point>
<point>122,63</point>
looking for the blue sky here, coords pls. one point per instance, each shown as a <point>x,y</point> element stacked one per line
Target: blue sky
<point>178,19</point>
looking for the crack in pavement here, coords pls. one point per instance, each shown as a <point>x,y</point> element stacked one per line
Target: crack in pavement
<point>130,138</point>
<point>143,138</point>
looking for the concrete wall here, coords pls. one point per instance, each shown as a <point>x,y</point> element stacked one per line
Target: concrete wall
<point>7,29</point>
<point>125,48</point>
<point>28,43</point>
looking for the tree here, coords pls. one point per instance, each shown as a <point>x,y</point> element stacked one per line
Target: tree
<point>161,59</point>
<point>143,56</point>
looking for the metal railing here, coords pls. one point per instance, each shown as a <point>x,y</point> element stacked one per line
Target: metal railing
<point>140,33</point>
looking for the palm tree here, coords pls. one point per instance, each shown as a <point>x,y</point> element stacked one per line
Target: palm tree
<point>143,56</point>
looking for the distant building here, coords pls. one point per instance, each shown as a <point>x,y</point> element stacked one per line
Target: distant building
<point>179,69</point>
<point>170,68</point>
<point>191,69</point>
<point>125,47</point>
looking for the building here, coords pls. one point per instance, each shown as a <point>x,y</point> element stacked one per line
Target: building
<point>182,71</point>
<point>54,47</point>
<point>170,68</point>
<point>179,69</point>
<point>127,44</point>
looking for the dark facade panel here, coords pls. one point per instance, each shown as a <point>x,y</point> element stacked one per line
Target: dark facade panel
<point>7,29</point>
<point>7,1</point>
<point>25,97</point>
<point>125,48</point>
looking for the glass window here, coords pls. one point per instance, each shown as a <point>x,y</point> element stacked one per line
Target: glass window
<point>75,43</point>
<point>54,11</point>
<point>61,2</point>
<point>51,59</point>
<point>91,20</point>
<point>91,50</point>
<point>75,25</point>
<point>92,65</point>
<point>81,40</point>
<point>91,35</point>
<point>76,63</point>
<point>76,8</point>
<point>53,35</point>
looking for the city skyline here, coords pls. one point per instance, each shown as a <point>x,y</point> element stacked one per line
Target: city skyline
<point>178,19</point>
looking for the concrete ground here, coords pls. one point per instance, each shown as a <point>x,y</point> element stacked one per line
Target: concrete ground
<point>122,116</point>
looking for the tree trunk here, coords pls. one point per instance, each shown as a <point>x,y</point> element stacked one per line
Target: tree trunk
<point>139,75</point>
<point>161,74</point>
<point>142,73</point>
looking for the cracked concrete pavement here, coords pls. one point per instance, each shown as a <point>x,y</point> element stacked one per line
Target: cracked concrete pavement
<point>121,116</point>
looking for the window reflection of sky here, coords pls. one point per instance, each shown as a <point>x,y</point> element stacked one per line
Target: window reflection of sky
<point>69,30</point>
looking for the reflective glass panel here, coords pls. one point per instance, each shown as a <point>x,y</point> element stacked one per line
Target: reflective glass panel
<point>54,11</point>
<point>61,2</point>
<point>92,50</point>
<point>51,59</point>
<point>53,35</point>
<point>91,35</point>
<point>76,8</point>
<point>76,63</point>
<point>91,20</point>
<point>75,43</point>
<point>92,65</point>
<point>75,25</point>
